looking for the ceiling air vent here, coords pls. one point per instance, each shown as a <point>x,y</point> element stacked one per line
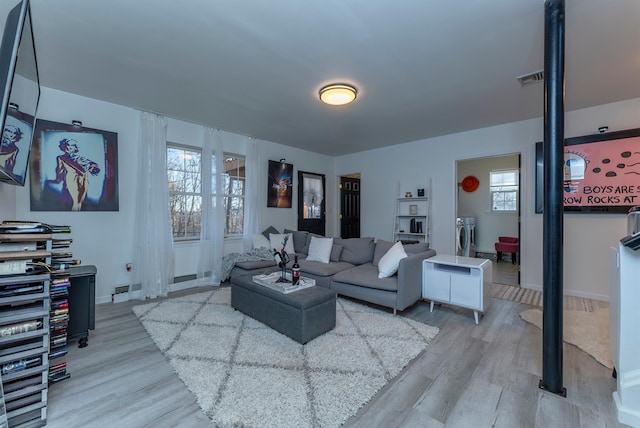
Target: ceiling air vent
<point>528,79</point>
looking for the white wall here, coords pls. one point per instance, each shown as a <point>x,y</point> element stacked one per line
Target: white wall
<point>477,204</point>
<point>587,237</point>
<point>105,239</point>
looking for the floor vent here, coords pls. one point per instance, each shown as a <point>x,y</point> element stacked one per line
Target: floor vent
<point>531,78</point>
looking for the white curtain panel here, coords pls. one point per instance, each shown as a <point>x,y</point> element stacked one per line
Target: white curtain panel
<point>254,176</point>
<point>212,227</point>
<point>154,253</point>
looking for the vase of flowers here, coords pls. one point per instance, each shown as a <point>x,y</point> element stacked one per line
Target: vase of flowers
<point>282,258</point>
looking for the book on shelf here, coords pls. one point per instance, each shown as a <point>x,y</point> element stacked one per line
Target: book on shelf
<point>14,226</point>
<point>23,327</point>
<point>57,354</point>
<point>22,290</point>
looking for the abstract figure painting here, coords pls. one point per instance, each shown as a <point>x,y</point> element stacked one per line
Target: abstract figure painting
<point>280,184</point>
<point>73,168</point>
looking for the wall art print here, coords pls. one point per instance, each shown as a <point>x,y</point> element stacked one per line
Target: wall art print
<point>280,183</point>
<point>73,168</point>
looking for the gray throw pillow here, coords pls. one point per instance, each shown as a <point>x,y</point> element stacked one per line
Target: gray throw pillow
<point>336,251</point>
<point>381,249</point>
<point>416,248</point>
<point>299,239</point>
<point>356,251</point>
<point>269,230</point>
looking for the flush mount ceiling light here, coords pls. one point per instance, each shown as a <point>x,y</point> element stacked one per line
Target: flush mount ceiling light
<point>338,94</point>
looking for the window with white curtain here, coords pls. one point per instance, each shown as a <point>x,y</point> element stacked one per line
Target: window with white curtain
<point>503,190</point>
<point>185,192</point>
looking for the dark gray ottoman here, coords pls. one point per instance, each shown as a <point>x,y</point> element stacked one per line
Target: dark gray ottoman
<point>302,315</point>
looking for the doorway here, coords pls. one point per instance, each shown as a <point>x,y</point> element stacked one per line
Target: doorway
<point>492,208</point>
<point>350,206</point>
<point>311,202</point>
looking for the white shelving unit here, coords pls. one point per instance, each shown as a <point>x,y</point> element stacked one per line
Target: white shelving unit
<point>24,322</point>
<point>412,217</point>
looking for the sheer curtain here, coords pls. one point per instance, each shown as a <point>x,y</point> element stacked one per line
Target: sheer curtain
<point>212,226</point>
<point>154,253</point>
<point>254,176</point>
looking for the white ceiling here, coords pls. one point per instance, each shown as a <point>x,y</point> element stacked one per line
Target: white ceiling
<point>423,68</point>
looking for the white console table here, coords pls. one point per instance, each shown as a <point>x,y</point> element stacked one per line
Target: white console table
<point>460,281</point>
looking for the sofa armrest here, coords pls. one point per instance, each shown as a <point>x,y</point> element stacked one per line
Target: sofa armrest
<point>410,279</point>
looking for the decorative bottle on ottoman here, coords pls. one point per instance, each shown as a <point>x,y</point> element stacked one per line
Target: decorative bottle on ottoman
<point>295,272</point>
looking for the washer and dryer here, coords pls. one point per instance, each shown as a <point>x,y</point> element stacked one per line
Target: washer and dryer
<point>466,236</point>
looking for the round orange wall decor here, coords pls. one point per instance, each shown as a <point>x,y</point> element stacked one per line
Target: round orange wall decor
<point>470,183</point>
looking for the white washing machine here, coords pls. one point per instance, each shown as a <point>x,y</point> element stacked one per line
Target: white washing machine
<point>466,236</point>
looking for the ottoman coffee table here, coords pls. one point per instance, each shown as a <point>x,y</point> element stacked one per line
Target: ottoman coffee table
<point>302,315</point>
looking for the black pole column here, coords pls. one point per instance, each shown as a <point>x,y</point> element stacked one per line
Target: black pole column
<point>553,202</point>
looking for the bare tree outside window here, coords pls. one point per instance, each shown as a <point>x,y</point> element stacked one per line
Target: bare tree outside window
<point>185,191</point>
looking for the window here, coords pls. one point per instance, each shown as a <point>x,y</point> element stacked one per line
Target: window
<point>504,190</point>
<point>233,193</point>
<point>185,192</point>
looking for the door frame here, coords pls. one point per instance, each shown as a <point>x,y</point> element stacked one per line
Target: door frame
<point>457,190</point>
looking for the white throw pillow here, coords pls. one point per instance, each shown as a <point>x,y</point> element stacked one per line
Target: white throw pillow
<point>276,240</point>
<point>320,249</point>
<point>388,264</point>
<point>260,241</point>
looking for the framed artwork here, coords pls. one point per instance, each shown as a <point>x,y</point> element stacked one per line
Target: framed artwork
<point>73,168</point>
<point>16,146</point>
<point>280,182</point>
<point>601,172</point>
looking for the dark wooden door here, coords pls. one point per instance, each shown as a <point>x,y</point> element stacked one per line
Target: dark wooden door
<point>311,202</point>
<point>349,207</point>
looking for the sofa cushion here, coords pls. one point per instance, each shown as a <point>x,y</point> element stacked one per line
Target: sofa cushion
<point>255,264</point>
<point>269,230</point>
<point>322,269</point>
<point>381,249</point>
<point>356,251</point>
<point>276,240</point>
<point>416,248</point>
<point>366,276</point>
<point>388,264</point>
<point>299,239</point>
<point>320,249</point>
<point>336,252</point>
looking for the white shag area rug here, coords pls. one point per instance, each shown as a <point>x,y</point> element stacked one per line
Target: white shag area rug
<point>244,374</point>
<point>588,331</point>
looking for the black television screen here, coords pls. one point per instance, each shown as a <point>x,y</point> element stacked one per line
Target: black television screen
<point>20,86</point>
<point>601,172</point>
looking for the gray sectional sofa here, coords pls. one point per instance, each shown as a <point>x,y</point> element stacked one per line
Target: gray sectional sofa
<point>353,270</point>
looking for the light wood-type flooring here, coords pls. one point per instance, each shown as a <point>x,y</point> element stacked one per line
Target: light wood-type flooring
<point>471,375</point>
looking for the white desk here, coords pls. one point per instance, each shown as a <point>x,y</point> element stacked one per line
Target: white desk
<point>460,281</point>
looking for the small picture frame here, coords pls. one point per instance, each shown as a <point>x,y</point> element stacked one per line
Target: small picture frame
<point>413,209</point>
<point>420,193</point>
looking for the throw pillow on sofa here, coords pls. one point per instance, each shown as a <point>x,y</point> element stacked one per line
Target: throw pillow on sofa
<point>336,252</point>
<point>320,249</point>
<point>388,264</point>
<point>276,240</point>
<point>269,230</point>
<point>259,241</point>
